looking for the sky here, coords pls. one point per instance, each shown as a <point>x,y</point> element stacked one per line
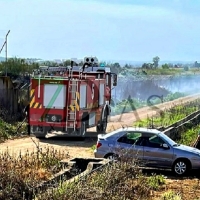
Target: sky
<point>132,30</point>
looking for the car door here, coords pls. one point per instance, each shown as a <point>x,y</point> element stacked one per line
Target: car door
<point>129,145</point>
<point>155,154</point>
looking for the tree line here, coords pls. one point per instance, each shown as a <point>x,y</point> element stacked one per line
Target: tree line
<point>22,66</point>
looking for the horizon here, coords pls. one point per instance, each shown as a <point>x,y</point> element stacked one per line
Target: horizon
<point>121,62</point>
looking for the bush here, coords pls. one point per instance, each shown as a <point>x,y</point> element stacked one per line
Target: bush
<point>155,181</point>
<point>10,130</point>
<point>120,180</point>
<point>170,195</point>
<point>20,174</point>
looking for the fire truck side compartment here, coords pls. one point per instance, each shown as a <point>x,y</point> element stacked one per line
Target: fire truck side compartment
<point>52,99</point>
<point>83,96</point>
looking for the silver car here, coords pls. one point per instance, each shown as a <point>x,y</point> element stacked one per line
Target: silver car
<point>152,147</point>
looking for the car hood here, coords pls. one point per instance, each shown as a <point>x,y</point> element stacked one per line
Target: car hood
<point>187,148</point>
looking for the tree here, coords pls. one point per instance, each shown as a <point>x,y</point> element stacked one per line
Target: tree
<point>147,66</point>
<point>17,66</point>
<point>67,63</point>
<point>127,66</point>
<point>156,61</point>
<point>116,68</point>
<point>196,64</point>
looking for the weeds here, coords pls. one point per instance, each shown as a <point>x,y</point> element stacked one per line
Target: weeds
<point>169,116</point>
<point>20,174</point>
<point>8,131</point>
<point>120,181</point>
<point>170,195</point>
<point>189,136</point>
<point>155,181</point>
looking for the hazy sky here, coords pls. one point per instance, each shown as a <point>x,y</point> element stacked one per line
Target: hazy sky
<point>133,30</point>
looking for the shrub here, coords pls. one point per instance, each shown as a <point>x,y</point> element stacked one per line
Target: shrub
<point>155,181</point>
<point>20,174</point>
<point>120,180</point>
<point>10,130</point>
<point>170,195</point>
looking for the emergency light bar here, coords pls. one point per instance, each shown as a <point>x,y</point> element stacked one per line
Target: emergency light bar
<point>92,60</point>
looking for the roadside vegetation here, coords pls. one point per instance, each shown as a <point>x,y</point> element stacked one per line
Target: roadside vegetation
<point>11,130</point>
<point>167,117</point>
<point>120,181</point>
<point>129,105</point>
<point>189,135</point>
<point>19,174</point>
<point>124,181</point>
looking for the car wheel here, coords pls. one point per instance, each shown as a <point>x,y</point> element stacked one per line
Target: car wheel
<point>180,167</point>
<point>112,157</point>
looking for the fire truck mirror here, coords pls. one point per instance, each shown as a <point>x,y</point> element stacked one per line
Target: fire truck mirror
<point>114,79</point>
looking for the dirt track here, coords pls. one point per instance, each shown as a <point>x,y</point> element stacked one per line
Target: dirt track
<point>83,148</point>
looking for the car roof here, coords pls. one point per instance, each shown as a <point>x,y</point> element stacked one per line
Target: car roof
<point>121,131</point>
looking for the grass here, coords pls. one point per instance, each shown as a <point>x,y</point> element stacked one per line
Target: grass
<point>20,173</point>
<point>8,130</point>
<point>93,147</point>
<point>188,137</point>
<point>170,195</point>
<point>155,181</point>
<point>161,71</point>
<point>169,116</point>
<point>120,181</point>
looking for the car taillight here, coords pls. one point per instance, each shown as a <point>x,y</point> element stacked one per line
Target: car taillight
<point>98,145</point>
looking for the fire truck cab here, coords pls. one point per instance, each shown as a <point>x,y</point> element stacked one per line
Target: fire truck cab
<point>65,101</point>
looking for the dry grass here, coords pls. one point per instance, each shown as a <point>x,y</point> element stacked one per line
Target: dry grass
<point>20,174</point>
<point>117,181</point>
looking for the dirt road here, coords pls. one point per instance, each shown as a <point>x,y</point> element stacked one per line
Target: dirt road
<point>83,148</point>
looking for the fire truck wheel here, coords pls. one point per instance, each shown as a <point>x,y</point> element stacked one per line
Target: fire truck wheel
<point>82,130</point>
<point>40,136</point>
<point>103,124</point>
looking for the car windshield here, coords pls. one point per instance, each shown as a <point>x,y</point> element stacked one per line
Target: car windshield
<point>167,139</point>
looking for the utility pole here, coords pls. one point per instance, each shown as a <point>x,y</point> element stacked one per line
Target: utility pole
<point>6,50</point>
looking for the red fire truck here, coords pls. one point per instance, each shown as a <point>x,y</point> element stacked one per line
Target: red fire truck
<point>65,101</point>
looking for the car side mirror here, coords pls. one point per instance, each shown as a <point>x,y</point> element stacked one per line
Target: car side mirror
<point>165,146</point>
<point>114,79</point>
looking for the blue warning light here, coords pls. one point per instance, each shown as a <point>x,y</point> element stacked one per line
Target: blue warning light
<point>102,65</point>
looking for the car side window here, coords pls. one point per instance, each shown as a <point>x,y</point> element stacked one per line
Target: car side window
<point>154,142</point>
<point>130,138</point>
